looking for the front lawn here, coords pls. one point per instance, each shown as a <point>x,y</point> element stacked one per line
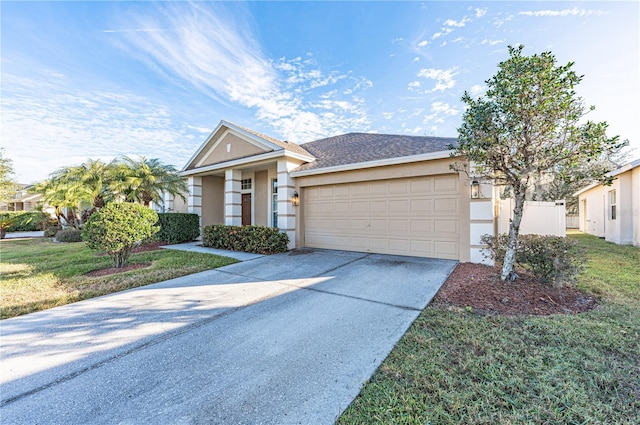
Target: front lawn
<point>460,366</point>
<point>37,274</point>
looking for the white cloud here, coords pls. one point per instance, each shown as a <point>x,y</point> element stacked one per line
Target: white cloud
<point>476,90</point>
<point>215,51</point>
<point>480,12</point>
<point>444,78</point>
<point>397,40</point>
<point>416,59</point>
<point>564,12</point>
<point>457,24</point>
<point>492,42</point>
<point>414,85</point>
<point>438,112</point>
<point>423,43</point>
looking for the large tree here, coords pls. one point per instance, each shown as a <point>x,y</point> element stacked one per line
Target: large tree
<point>529,125</point>
<point>144,180</point>
<point>8,185</point>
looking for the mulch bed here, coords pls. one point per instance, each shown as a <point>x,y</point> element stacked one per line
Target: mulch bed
<point>479,287</point>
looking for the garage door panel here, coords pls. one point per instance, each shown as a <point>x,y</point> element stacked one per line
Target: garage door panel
<point>412,216</point>
<point>378,207</point>
<point>445,206</point>
<point>420,206</point>
<point>445,184</point>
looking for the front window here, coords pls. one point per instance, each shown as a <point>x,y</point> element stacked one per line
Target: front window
<point>274,202</point>
<point>245,184</point>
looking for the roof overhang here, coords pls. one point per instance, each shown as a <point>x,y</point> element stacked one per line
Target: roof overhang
<point>627,167</point>
<point>371,164</point>
<point>245,162</point>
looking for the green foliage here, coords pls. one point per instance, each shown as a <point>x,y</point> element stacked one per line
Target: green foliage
<point>528,126</point>
<point>69,235</point>
<point>178,227</point>
<point>117,228</point>
<point>51,230</point>
<point>25,221</point>
<point>551,258</point>
<point>144,180</point>
<point>257,239</point>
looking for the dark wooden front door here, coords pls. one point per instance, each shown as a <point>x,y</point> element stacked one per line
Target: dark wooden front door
<point>246,209</point>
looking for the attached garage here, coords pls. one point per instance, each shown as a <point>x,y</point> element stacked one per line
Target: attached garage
<point>417,216</point>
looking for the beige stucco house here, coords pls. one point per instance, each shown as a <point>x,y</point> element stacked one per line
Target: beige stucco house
<point>375,193</point>
<point>613,212</point>
<point>23,200</point>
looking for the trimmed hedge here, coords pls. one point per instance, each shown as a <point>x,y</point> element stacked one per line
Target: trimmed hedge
<point>256,239</point>
<point>25,221</point>
<point>69,235</point>
<point>554,259</point>
<point>178,227</point>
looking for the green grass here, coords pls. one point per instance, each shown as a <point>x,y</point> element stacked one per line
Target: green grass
<point>455,367</point>
<point>37,274</point>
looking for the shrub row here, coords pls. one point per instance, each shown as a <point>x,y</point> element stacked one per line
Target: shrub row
<point>25,221</point>
<point>69,235</point>
<point>178,227</point>
<point>553,259</point>
<point>256,239</point>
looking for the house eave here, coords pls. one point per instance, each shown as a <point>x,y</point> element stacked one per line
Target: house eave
<point>236,163</point>
<point>371,164</point>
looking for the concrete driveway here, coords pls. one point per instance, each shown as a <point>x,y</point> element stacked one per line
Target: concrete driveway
<point>282,339</point>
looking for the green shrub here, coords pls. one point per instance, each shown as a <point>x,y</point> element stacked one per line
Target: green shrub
<point>257,239</point>
<point>551,258</point>
<point>25,221</point>
<point>117,228</point>
<point>178,227</point>
<point>69,235</point>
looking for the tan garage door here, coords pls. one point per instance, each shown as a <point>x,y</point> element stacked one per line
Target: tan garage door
<point>416,216</point>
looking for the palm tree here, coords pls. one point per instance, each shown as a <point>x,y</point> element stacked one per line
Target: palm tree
<point>145,180</point>
<point>76,188</point>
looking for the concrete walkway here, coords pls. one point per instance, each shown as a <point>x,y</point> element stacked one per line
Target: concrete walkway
<point>197,247</point>
<point>282,339</point>
<point>21,235</point>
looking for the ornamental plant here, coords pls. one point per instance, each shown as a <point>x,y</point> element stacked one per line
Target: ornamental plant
<point>118,228</point>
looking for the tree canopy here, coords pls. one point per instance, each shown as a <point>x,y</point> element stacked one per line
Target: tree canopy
<point>8,185</point>
<point>529,125</point>
<point>90,186</point>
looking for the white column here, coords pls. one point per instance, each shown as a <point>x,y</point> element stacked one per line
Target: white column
<point>232,198</point>
<point>286,211</point>
<point>168,202</point>
<point>195,195</point>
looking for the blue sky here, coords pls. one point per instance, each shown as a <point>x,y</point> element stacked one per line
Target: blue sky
<point>103,79</point>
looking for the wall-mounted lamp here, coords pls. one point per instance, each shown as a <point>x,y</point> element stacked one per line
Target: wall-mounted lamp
<point>295,199</point>
<point>475,189</point>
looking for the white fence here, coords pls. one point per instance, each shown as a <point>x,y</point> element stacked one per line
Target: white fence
<point>573,222</point>
<point>540,218</point>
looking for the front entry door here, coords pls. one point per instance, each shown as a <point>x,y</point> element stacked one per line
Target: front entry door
<point>246,209</point>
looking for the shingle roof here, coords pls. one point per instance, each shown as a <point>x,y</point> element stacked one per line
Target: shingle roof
<point>293,147</point>
<point>353,148</point>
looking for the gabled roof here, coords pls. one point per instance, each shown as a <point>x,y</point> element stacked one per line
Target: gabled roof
<point>353,148</point>
<point>268,143</point>
<point>622,169</point>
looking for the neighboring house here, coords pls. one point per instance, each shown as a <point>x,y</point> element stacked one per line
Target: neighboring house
<point>360,192</point>
<point>613,212</point>
<point>23,200</point>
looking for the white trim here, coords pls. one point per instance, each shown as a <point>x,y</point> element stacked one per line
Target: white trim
<point>371,164</point>
<point>244,161</point>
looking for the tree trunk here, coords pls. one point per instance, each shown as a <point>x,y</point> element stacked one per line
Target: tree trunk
<point>514,231</point>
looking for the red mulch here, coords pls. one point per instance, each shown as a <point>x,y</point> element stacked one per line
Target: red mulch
<point>479,287</point>
<point>150,246</point>
<point>113,270</point>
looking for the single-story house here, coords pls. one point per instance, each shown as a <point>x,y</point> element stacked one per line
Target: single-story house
<point>376,193</point>
<point>22,200</point>
<point>613,212</point>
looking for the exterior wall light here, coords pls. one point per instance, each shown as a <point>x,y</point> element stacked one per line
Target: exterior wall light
<point>475,189</point>
<point>295,199</point>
